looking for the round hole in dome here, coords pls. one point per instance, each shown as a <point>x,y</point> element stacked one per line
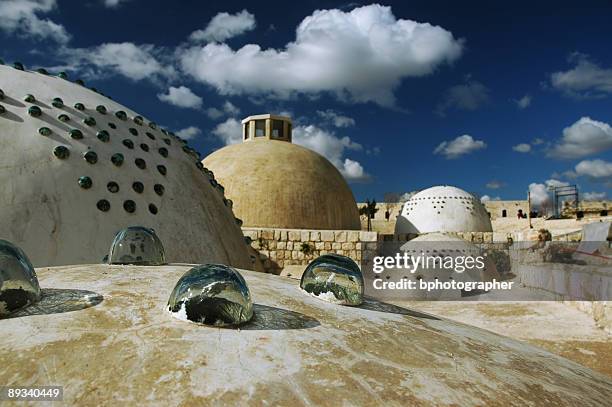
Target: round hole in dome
<point>63,118</point>
<point>18,66</point>
<point>129,206</point>
<point>334,278</point>
<point>75,134</point>
<point>34,111</point>
<point>112,125</point>
<point>149,135</point>
<point>140,163</point>
<point>159,189</point>
<point>18,281</point>
<point>62,75</point>
<point>128,143</point>
<point>80,82</point>
<point>163,151</point>
<point>29,98</point>
<point>162,169</point>
<point>44,131</point>
<point>103,136</point>
<point>133,131</point>
<point>42,71</point>
<point>121,115</point>
<point>61,152</point>
<point>112,187</point>
<point>137,245</point>
<point>90,121</point>
<point>85,182</point>
<point>58,103</point>
<point>79,106</point>
<point>138,120</point>
<point>138,187</point>
<point>167,141</point>
<point>153,209</point>
<point>212,294</point>
<point>103,205</point>
<point>91,157</point>
<point>117,159</point>
<point>153,125</point>
<point>101,109</point>
<point>144,147</point>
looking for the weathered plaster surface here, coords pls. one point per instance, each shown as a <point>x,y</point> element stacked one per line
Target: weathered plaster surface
<point>298,351</point>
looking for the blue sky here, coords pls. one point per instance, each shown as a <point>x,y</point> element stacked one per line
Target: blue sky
<point>497,99</point>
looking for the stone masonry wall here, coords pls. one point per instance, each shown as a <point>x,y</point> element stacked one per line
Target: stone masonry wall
<point>278,248</point>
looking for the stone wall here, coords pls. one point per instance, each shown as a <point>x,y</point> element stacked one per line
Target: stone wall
<point>278,248</point>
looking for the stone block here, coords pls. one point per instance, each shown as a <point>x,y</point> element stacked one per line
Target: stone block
<point>353,236</point>
<point>319,245</point>
<point>368,236</point>
<point>281,245</point>
<point>340,236</point>
<point>336,246</point>
<point>293,235</point>
<point>250,233</point>
<point>304,235</point>
<point>289,245</point>
<point>327,245</point>
<point>315,236</point>
<point>267,234</point>
<point>348,246</point>
<point>327,235</point>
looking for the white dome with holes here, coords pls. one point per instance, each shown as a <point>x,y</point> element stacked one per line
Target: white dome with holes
<point>77,167</point>
<point>443,209</point>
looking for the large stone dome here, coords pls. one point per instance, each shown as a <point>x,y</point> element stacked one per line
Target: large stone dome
<point>443,209</point>
<point>77,167</point>
<point>274,183</point>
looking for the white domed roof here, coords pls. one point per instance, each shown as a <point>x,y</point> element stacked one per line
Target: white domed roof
<point>77,167</point>
<point>443,209</point>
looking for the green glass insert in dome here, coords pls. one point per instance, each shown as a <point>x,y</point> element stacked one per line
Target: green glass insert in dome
<point>18,282</point>
<point>121,115</point>
<point>61,152</point>
<point>103,205</point>
<point>63,118</point>
<point>163,152</point>
<point>18,66</point>
<point>80,82</point>
<point>133,131</point>
<point>44,131</point>
<point>144,147</point>
<point>159,189</point>
<point>29,98</point>
<point>2,109</point>
<point>212,294</point>
<point>42,71</point>
<point>101,109</point>
<point>91,157</point>
<point>128,143</point>
<point>153,209</point>
<point>149,135</point>
<point>117,159</point>
<point>137,245</point>
<point>334,278</point>
<point>90,121</point>
<point>140,163</point>
<point>129,206</point>
<point>138,120</point>
<point>167,141</point>
<point>76,134</point>
<point>103,136</point>
<point>112,187</point>
<point>112,125</point>
<point>34,111</point>
<point>138,187</point>
<point>85,182</point>
<point>79,106</point>
<point>63,75</point>
<point>162,169</point>
<point>153,125</point>
<point>58,103</point>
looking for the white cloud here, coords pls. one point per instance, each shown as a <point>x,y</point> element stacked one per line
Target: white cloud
<point>228,109</point>
<point>553,183</point>
<point>113,3</point>
<point>189,133</point>
<point>468,96</point>
<point>22,17</point>
<point>326,143</point>
<point>224,26</point>
<point>360,56</point>
<point>181,97</point>
<point>585,137</point>
<point>537,141</point>
<point>586,79</point>
<point>460,146</point>
<point>487,198</point>
<point>494,184</point>
<point>594,196</point>
<point>596,169</point>
<point>522,148</point>
<point>524,102</point>
<point>133,61</point>
<point>336,119</point>
<point>538,194</point>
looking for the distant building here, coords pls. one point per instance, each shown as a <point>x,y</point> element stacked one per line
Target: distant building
<point>506,209</point>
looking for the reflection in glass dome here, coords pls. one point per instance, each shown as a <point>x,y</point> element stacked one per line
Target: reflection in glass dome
<point>18,282</point>
<point>212,294</point>
<point>334,278</point>
<point>137,245</point>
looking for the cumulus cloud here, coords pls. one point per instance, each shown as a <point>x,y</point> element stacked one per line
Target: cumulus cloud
<point>359,56</point>
<point>224,26</point>
<point>336,119</point>
<point>181,97</point>
<point>538,194</point>
<point>324,142</point>
<point>522,148</point>
<point>554,183</point>
<point>524,102</point>
<point>585,137</point>
<point>468,96</point>
<point>136,62</point>
<point>494,184</point>
<point>585,80</point>
<point>228,109</point>
<point>487,198</point>
<point>460,146</point>
<point>594,196</point>
<point>23,18</point>
<point>189,133</point>
<point>113,3</point>
<point>594,169</point>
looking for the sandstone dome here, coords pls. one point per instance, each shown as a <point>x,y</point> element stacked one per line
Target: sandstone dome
<point>78,167</point>
<point>274,183</point>
<point>443,209</point>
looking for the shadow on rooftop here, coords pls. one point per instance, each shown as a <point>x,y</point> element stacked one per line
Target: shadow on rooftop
<point>59,300</point>
<point>272,318</point>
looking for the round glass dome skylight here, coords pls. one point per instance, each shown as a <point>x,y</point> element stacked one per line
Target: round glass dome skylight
<point>334,278</point>
<point>18,282</point>
<point>137,245</point>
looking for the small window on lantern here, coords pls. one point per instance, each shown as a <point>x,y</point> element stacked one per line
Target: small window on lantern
<point>277,128</point>
<point>260,128</point>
